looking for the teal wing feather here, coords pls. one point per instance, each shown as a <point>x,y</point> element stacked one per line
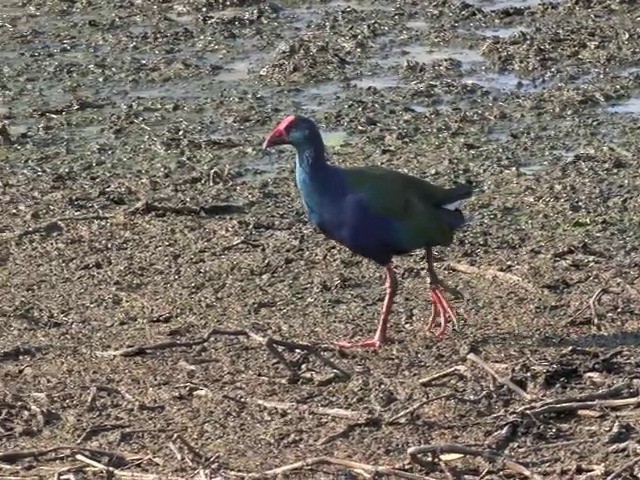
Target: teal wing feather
<point>416,206</point>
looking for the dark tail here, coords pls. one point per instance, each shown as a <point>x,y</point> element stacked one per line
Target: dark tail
<point>450,208</point>
<point>453,196</point>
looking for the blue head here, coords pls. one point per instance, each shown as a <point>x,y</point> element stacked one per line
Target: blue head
<point>300,132</point>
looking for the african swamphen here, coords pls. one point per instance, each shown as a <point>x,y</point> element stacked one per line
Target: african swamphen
<point>375,212</point>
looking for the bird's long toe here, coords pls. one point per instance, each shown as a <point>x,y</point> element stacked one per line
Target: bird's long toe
<point>441,310</point>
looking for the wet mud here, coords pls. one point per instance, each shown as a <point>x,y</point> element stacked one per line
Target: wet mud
<point>138,213</point>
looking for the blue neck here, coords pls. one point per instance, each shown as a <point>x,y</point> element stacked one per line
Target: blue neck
<point>311,155</point>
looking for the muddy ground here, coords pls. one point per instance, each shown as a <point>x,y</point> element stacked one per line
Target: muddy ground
<point>137,209</point>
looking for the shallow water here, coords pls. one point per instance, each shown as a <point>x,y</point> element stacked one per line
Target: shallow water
<point>502,32</point>
<point>500,4</point>
<point>501,81</point>
<point>630,107</point>
<point>377,81</point>
<point>236,70</point>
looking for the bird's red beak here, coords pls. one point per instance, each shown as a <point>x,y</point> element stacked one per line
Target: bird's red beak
<point>277,137</point>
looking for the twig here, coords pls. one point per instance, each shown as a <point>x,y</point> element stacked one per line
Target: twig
<point>574,406</point>
<point>627,466</point>
<point>176,452</point>
<point>458,370</point>
<point>95,429</point>
<point>146,207</point>
<point>303,347</point>
<point>269,343</point>
<point>353,466</point>
<point>114,471</point>
<point>142,349</point>
<point>331,412</point>
<point>591,305</point>
<point>346,431</point>
<point>491,273</point>
<point>445,470</point>
<point>193,451</point>
<point>363,420</point>
<point>593,302</point>
<point>93,393</point>
<point>587,397</point>
<point>69,469</point>
<point>113,390</point>
<point>505,381</point>
<point>13,456</point>
<point>417,406</point>
<point>438,449</point>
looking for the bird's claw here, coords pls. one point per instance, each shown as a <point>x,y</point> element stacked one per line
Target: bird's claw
<point>440,309</point>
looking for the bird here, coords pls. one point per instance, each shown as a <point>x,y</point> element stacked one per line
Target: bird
<point>376,212</point>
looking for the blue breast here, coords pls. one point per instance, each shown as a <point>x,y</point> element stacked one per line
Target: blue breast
<point>343,214</point>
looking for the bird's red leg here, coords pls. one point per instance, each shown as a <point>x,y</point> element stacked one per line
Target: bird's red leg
<point>381,333</point>
<point>439,306</point>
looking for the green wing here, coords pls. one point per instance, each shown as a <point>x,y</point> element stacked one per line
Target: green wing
<point>414,204</point>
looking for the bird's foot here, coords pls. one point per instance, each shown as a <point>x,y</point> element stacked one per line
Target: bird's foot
<point>450,289</point>
<point>440,309</point>
<point>373,344</point>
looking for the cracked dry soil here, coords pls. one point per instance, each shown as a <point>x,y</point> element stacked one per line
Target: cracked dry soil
<point>137,209</point>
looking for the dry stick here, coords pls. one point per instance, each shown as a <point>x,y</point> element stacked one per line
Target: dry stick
<point>13,456</point>
<point>418,405</point>
<point>353,466</point>
<point>331,412</point>
<point>438,449</point>
<point>458,370</point>
<point>490,273</point>
<point>505,381</point>
<point>304,347</point>
<point>575,315</point>
<point>141,349</point>
<point>70,469</point>
<point>617,473</point>
<point>269,343</point>
<point>362,419</point>
<point>346,431</point>
<point>591,305</point>
<point>593,301</point>
<point>93,392</point>
<point>445,470</point>
<point>587,397</point>
<point>114,471</point>
<point>573,406</point>
<point>95,429</point>
<point>176,452</point>
<point>199,456</point>
<point>122,393</point>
